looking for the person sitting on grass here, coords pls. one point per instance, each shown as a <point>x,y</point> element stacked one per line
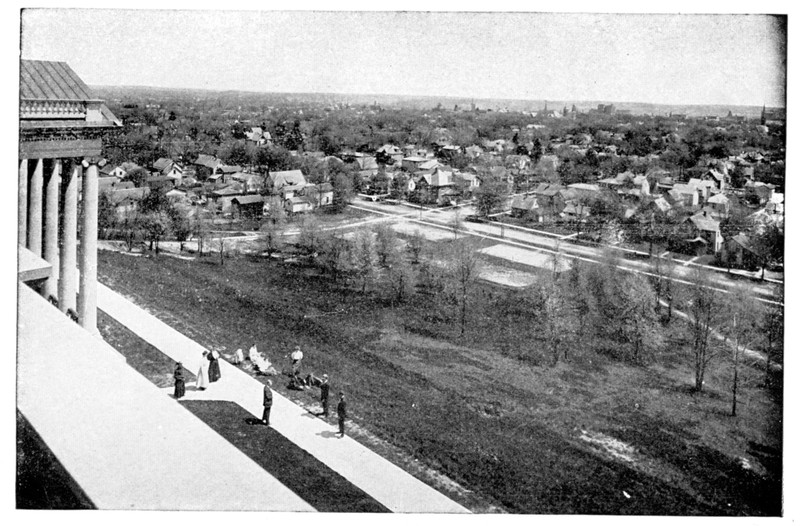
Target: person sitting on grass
<point>296,383</point>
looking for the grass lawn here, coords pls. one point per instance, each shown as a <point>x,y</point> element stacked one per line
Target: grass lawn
<point>589,436</point>
<point>298,470</point>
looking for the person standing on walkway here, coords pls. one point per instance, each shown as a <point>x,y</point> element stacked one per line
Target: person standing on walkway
<point>341,411</point>
<point>180,383</point>
<point>324,389</point>
<point>267,403</point>
<point>213,366</point>
<point>297,357</point>
<point>202,374</point>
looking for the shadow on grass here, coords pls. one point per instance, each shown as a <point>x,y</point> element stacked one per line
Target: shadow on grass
<point>310,479</point>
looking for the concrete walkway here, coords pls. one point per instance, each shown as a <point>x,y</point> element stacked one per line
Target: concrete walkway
<point>376,476</point>
<point>123,442</point>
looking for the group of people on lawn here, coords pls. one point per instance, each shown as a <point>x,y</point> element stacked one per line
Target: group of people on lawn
<point>209,372</point>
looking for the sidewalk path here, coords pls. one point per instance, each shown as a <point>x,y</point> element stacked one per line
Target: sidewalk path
<point>385,482</point>
<point>126,444</point>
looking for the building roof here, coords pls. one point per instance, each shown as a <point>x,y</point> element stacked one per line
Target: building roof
<point>163,164</point>
<point>51,95</point>
<point>207,160</point>
<point>705,223</point>
<point>54,81</point>
<point>719,199</point>
<point>683,189</point>
<point>287,178</point>
<point>585,186</point>
<point>248,199</point>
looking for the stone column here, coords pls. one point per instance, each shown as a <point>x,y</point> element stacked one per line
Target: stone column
<point>35,209</point>
<point>51,228</point>
<point>87,295</point>
<point>22,202</point>
<point>67,284</point>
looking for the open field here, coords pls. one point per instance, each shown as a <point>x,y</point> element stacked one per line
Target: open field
<point>587,436</point>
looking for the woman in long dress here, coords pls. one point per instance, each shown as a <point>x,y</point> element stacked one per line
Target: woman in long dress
<point>202,374</point>
<point>213,367</point>
<point>180,384</point>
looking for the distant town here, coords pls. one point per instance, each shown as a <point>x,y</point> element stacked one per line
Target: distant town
<point>707,186</point>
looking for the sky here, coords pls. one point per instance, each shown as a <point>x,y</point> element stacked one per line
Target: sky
<point>670,59</point>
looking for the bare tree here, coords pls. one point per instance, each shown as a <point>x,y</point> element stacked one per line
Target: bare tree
<point>637,318</point>
<point>464,269</point>
<point>415,245</point>
<point>335,254</point>
<point>742,328</point>
<point>309,237</point>
<point>704,304</point>
<point>771,323</point>
<point>364,257</point>
<point>557,319</point>
<point>272,228</point>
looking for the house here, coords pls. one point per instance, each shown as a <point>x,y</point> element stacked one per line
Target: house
<point>324,194</point>
<point>126,201</point>
<point>721,205</point>
<point>575,212</point>
<point>523,206</point>
<point>247,206</point>
<point>716,177</point>
<point>297,205</point>
<point>471,181</point>
<point>106,183</point>
<point>662,204</point>
<point>208,162</point>
<point>252,182</point>
<point>389,154</point>
<point>160,182</point>
<point>414,164</point>
<point>434,187</point>
<point>738,251</point>
<point>258,136</point>
<point>287,181</point>
<point>223,197</point>
<point>110,170</point>
<point>474,151</point>
<point>707,228</point>
<point>549,200</point>
<point>758,192</point>
<point>685,195</point>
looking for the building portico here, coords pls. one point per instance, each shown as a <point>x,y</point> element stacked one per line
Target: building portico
<point>62,126</point>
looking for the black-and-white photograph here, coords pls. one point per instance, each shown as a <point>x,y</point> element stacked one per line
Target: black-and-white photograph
<point>419,262</point>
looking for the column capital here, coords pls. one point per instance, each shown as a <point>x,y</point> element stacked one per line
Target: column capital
<point>99,161</point>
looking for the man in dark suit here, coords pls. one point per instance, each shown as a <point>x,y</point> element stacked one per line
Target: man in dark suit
<point>267,403</point>
<point>324,389</point>
<point>341,411</point>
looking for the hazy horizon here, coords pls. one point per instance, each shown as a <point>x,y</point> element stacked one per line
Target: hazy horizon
<point>482,103</point>
<point>651,59</point>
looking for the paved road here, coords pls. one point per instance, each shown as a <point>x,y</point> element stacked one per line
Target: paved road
<point>443,217</point>
<point>382,480</point>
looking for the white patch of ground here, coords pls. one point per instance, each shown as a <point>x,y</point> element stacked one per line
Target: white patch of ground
<point>505,276</point>
<point>616,448</point>
<point>531,258</point>
<point>427,232</point>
